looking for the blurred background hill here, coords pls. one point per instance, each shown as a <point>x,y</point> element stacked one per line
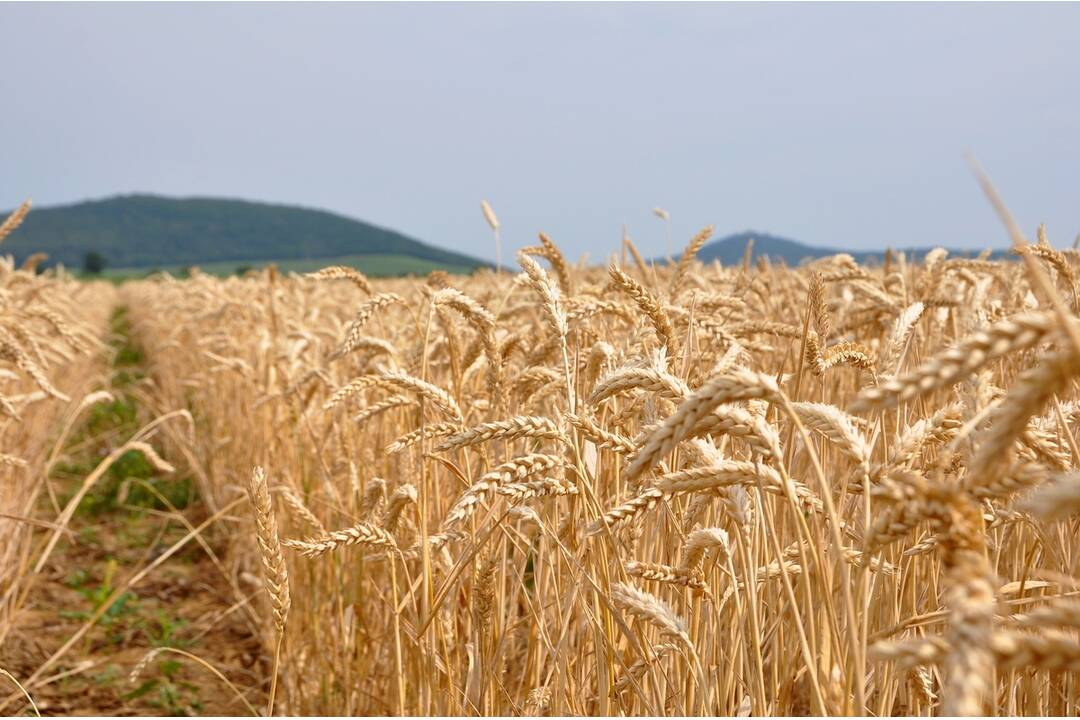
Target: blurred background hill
<point>133,233</point>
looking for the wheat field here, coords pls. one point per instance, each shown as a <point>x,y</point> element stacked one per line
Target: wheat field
<point>680,489</point>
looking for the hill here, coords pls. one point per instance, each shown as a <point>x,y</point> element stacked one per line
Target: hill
<point>729,250</point>
<point>147,231</point>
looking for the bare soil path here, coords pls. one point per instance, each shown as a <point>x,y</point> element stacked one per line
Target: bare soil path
<point>185,607</point>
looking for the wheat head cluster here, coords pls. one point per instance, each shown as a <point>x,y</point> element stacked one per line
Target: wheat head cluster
<point>679,488</point>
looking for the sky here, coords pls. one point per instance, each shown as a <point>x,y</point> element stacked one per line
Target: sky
<point>834,124</point>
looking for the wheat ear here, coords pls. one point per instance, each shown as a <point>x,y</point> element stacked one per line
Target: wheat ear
<point>14,220</point>
<point>276,575</point>
<point>739,385</point>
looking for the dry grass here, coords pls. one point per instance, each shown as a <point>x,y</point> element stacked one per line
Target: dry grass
<point>686,489</point>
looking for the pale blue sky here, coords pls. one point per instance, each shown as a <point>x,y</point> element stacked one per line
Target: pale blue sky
<point>833,124</point>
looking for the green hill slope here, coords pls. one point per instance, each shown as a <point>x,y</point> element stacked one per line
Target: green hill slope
<point>143,231</point>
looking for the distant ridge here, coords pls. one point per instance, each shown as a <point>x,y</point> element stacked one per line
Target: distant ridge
<point>144,231</point>
<point>730,250</point>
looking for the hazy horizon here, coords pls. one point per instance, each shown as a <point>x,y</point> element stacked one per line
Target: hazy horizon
<point>833,125</point>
